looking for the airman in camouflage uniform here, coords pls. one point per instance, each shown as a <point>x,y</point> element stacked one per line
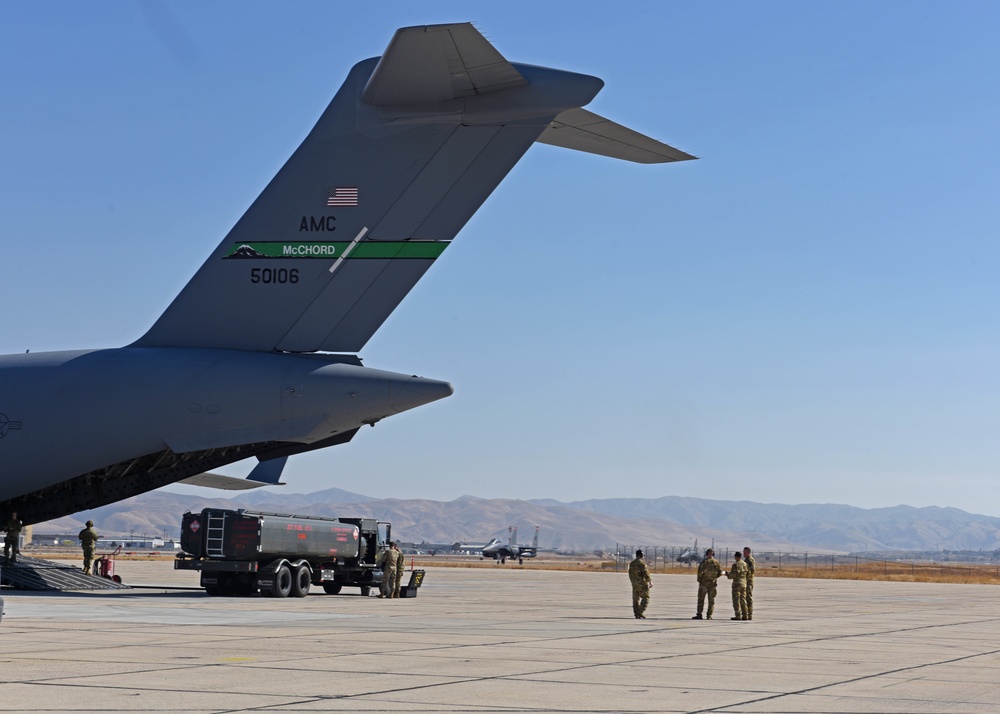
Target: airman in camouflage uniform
<point>88,539</point>
<point>709,571</point>
<point>751,566</point>
<point>400,568</point>
<point>387,559</point>
<point>12,538</point>
<point>738,574</point>
<point>638,575</point>
<point>380,564</point>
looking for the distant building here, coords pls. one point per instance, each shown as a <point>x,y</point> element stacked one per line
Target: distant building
<point>136,542</point>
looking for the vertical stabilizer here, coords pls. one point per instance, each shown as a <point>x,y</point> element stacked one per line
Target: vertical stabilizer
<point>409,148</point>
<point>406,152</point>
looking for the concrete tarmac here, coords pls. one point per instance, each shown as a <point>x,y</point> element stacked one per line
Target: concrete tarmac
<point>504,640</point>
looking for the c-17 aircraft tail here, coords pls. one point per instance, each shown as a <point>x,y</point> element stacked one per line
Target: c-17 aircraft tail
<point>407,151</point>
<point>257,355</point>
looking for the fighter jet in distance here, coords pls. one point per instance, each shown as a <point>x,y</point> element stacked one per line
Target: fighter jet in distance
<point>500,551</point>
<point>690,555</point>
<point>257,356</point>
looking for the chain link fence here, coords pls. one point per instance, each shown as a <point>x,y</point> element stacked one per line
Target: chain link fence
<point>664,558</point>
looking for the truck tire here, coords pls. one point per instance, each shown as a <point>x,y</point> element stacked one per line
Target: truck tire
<point>225,586</point>
<point>282,582</point>
<point>331,588</point>
<point>301,581</point>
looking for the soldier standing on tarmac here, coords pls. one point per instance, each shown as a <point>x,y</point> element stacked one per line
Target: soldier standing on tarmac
<point>738,574</point>
<point>380,563</point>
<point>12,538</point>
<point>751,566</point>
<point>88,539</point>
<point>388,560</point>
<point>400,568</point>
<point>638,575</point>
<point>709,571</point>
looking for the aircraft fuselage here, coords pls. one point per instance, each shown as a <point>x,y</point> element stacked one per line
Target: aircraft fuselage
<point>59,408</point>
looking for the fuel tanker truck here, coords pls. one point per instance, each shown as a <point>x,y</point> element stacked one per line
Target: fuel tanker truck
<point>244,552</point>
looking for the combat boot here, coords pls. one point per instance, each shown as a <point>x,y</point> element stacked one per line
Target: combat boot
<point>697,617</point>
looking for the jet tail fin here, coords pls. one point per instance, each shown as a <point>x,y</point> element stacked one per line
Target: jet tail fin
<point>408,149</point>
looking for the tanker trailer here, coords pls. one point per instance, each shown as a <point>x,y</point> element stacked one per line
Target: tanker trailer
<point>243,552</point>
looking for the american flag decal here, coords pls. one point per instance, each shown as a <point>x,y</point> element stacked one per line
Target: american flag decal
<point>343,196</point>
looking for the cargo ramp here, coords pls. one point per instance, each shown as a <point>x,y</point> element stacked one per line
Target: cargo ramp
<point>38,574</point>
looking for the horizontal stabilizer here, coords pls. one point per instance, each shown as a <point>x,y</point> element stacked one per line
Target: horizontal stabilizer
<point>437,63</point>
<point>266,473</point>
<point>223,483</point>
<point>585,131</point>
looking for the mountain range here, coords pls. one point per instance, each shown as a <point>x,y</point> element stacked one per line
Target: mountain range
<point>597,524</point>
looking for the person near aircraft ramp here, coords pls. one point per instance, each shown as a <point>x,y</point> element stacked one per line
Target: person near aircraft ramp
<point>738,574</point>
<point>709,571</point>
<point>638,575</point>
<point>751,566</point>
<point>12,538</point>
<point>88,540</point>
<point>400,567</point>
<point>387,560</point>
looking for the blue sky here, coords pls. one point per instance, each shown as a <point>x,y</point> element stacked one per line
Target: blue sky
<point>806,314</point>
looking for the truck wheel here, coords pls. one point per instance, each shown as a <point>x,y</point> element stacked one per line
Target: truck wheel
<point>366,590</point>
<point>282,582</point>
<point>225,586</point>
<point>301,581</point>
<point>331,588</point>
